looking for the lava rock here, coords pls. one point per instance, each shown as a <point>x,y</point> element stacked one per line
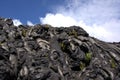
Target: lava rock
<point>43,52</point>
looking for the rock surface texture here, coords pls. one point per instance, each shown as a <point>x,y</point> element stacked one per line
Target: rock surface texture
<point>43,52</point>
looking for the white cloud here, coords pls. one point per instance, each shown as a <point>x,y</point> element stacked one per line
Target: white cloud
<point>17,22</point>
<point>58,20</point>
<point>100,19</point>
<point>30,23</point>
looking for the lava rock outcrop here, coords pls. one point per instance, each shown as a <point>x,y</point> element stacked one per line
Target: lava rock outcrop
<point>43,52</point>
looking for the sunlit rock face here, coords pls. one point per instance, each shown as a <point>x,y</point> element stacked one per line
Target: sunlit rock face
<point>43,52</point>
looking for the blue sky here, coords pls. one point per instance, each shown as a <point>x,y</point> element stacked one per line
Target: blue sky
<point>27,9</point>
<point>100,18</point>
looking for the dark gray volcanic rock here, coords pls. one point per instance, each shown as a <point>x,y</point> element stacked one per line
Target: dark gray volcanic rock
<point>43,52</point>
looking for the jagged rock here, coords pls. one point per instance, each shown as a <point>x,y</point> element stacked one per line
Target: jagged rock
<point>43,52</point>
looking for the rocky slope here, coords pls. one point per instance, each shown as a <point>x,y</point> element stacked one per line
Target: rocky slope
<point>43,52</point>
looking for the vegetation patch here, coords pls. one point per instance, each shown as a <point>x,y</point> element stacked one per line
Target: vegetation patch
<point>82,65</point>
<point>24,32</point>
<point>113,64</point>
<point>63,46</point>
<point>74,33</point>
<point>88,56</point>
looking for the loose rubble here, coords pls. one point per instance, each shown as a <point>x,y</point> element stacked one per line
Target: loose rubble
<point>43,52</point>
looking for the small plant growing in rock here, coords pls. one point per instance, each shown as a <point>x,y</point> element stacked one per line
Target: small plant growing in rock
<point>112,62</point>
<point>88,56</point>
<point>47,26</point>
<point>24,32</point>
<point>63,46</point>
<point>73,32</point>
<point>82,65</point>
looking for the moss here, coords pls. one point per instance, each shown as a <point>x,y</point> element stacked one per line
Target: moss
<point>88,56</point>
<point>112,62</point>
<point>82,65</point>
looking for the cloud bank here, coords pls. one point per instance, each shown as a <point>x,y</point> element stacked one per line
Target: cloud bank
<point>101,19</point>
